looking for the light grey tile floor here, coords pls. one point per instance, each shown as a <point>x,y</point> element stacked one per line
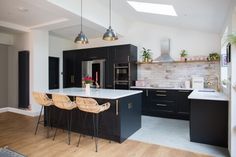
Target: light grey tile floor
<point>173,133</point>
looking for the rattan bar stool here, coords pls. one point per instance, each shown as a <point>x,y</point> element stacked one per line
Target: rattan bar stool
<point>90,105</point>
<point>64,103</point>
<point>43,100</point>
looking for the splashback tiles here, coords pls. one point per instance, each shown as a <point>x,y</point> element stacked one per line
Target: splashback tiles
<point>175,74</point>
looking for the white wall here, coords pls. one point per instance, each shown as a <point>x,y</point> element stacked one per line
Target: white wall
<point>3,75</point>
<point>6,39</point>
<point>21,42</point>
<point>56,46</point>
<point>39,52</point>
<point>233,92</point>
<point>230,25</point>
<point>149,36</point>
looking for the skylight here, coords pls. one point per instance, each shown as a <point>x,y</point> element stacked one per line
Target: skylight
<point>153,8</point>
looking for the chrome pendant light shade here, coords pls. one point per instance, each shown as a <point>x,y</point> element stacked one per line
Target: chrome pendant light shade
<point>81,38</point>
<point>110,34</point>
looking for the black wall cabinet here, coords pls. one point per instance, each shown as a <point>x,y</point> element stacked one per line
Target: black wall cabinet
<point>23,81</point>
<point>72,62</point>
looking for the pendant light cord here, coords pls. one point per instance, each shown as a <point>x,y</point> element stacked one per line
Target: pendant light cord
<point>110,13</point>
<point>81,15</point>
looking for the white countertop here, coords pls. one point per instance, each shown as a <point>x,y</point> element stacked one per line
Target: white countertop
<point>167,88</point>
<point>95,93</point>
<point>207,94</point>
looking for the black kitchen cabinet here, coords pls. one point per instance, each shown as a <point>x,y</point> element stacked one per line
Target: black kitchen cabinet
<point>209,122</point>
<point>125,53</point>
<point>72,63</point>
<point>94,53</point>
<point>110,69</point>
<point>183,103</point>
<point>69,63</point>
<point>166,103</point>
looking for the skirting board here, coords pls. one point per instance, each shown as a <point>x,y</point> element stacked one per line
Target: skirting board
<point>19,111</point>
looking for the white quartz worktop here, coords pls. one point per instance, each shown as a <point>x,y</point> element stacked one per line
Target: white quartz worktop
<point>95,93</point>
<point>207,94</point>
<point>167,88</point>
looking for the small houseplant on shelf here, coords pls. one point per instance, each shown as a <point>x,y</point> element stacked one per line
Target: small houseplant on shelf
<point>146,54</point>
<point>88,81</point>
<point>183,55</point>
<point>213,57</point>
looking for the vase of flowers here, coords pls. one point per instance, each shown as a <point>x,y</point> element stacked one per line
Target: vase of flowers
<point>88,81</point>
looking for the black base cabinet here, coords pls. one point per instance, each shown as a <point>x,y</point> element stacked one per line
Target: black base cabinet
<point>166,103</point>
<point>209,122</point>
<point>119,122</point>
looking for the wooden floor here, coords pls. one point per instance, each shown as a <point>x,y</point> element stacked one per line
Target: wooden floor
<point>17,132</point>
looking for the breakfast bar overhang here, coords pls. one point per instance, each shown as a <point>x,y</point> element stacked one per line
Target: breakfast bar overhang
<point>120,121</point>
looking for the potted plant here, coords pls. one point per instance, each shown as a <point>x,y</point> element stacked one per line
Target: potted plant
<point>146,54</point>
<point>213,57</point>
<point>232,38</point>
<point>183,55</point>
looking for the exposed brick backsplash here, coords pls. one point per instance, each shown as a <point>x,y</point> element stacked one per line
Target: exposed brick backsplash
<point>175,74</point>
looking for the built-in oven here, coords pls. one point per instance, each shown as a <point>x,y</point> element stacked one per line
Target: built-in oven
<point>122,76</point>
<point>121,72</point>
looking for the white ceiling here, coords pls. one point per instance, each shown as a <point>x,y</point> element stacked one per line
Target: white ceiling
<point>44,15</point>
<point>204,15</point>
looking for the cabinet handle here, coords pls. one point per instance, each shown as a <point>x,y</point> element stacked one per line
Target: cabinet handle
<point>161,91</point>
<point>162,95</point>
<point>162,105</point>
<point>146,92</point>
<point>117,107</point>
<point>128,58</point>
<point>130,105</point>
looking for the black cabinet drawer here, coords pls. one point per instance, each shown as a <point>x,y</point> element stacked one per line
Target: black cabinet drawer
<point>163,106</point>
<point>161,95</point>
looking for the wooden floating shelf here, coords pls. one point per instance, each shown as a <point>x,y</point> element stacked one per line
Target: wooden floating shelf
<point>194,61</point>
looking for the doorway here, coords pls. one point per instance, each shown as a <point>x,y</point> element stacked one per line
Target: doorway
<point>53,72</point>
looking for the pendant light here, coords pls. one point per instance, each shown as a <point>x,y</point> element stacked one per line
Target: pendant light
<point>110,34</point>
<point>81,38</point>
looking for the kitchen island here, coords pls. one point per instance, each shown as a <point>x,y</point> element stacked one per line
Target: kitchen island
<point>121,120</point>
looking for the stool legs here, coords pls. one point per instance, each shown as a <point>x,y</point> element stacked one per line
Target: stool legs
<point>36,129</point>
<point>83,126</point>
<point>95,130</point>
<point>57,124</point>
<point>69,121</point>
